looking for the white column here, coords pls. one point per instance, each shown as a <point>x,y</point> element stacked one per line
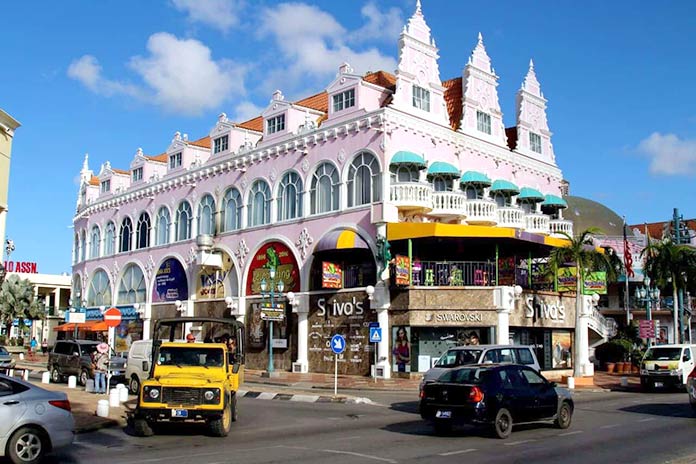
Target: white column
<point>301,307</point>
<point>504,299</point>
<point>503,332</point>
<point>584,366</point>
<point>241,309</point>
<point>147,320</point>
<point>383,351</point>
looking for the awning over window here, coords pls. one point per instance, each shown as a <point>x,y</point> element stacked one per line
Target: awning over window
<point>341,239</point>
<point>475,177</point>
<point>65,327</point>
<point>530,194</point>
<point>408,157</point>
<point>506,186</point>
<point>441,168</point>
<point>552,201</point>
<point>89,326</point>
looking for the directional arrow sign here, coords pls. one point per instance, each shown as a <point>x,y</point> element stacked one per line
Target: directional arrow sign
<point>338,344</point>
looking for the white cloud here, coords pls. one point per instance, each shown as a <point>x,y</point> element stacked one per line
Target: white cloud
<point>179,75</point>
<point>379,26</point>
<point>220,14</point>
<point>669,155</point>
<point>245,111</point>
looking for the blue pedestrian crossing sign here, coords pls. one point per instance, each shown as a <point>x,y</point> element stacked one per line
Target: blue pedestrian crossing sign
<point>338,344</point>
<point>375,334</point>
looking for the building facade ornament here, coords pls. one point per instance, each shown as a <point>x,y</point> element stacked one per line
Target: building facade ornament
<point>303,242</point>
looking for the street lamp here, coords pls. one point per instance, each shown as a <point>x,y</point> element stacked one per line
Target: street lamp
<point>648,295</point>
<point>232,306</point>
<point>280,286</point>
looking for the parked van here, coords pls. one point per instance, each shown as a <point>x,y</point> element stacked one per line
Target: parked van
<point>482,354</point>
<point>667,366</point>
<point>138,366</point>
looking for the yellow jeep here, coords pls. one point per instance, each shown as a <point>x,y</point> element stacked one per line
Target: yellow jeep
<point>192,381</point>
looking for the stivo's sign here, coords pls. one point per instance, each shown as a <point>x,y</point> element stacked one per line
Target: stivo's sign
<point>538,308</point>
<point>339,308</point>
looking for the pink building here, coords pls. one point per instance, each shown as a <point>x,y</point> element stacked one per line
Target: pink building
<point>319,191</point>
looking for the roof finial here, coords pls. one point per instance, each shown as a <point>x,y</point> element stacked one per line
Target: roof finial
<point>418,7</point>
<point>85,164</point>
<point>480,39</point>
<point>531,64</point>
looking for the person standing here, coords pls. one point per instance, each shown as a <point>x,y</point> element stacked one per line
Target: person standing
<point>100,364</point>
<point>44,346</point>
<point>33,345</point>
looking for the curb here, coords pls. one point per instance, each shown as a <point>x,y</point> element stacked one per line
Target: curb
<point>302,398</point>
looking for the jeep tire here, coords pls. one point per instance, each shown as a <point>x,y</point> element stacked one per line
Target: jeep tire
<point>142,428</point>
<point>220,427</point>
<point>55,375</point>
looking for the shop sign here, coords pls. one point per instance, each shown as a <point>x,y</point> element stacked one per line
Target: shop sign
<point>453,318</point>
<point>594,282</point>
<point>331,275</point>
<point>338,309</point>
<point>272,312</point>
<point>273,255</point>
<point>170,282</point>
<point>211,282</point>
<point>538,308</point>
<point>26,267</point>
<point>566,279</point>
<point>402,270</point>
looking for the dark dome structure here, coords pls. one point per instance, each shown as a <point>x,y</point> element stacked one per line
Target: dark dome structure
<point>588,213</point>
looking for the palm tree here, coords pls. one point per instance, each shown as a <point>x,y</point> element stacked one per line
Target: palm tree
<point>668,264</point>
<point>582,253</point>
<point>17,302</point>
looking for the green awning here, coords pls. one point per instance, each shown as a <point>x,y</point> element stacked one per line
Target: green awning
<point>475,177</point>
<point>501,185</point>
<point>441,168</point>
<point>530,194</point>
<point>552,201</point>
<point>408,157</point>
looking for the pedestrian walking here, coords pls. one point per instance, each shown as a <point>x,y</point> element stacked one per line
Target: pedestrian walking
<point>100,363</point>
<point>44,346</point>
<point>33,345</point>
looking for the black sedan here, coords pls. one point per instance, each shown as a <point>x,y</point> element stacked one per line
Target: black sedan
<point>496,396</point>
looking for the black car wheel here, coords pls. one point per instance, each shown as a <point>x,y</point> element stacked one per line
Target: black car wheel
<point>503,423</point>
<point>55,375</point>
<point>27,446</point>
<point>235,412</point>
<point>142,428</point>
<point>134,385</point>
<point>564,417</point>
<point>84,376</point>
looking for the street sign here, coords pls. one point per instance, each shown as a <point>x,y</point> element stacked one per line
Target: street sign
<point>272,312</point>
<point>374,324</point>
<point>646,329</point>
<point>76,317</point>
<point>112,317</point>
<point>375,334</point>
<point>338,344</point>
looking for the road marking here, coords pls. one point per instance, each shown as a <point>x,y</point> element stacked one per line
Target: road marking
<point>575,432</point>
<point>610,426</point>
<point>647,420</point>
<point>266,396</point>
<point>515,443</point>
<point>452,453</point>
<point>360,455</point>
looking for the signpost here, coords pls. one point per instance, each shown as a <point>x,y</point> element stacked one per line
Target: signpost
<point>112,318</point>
<point>375,337</point>
<point>646,329</point>
<point>338,345</point>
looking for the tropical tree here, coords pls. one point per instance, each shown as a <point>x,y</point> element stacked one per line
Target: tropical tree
<point>581,252</point>
<point>668,264</point>
<point>17,302</point>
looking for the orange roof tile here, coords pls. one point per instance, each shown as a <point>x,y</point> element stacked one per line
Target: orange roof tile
<point>94,180</point>
<point>319,102</point>
<point>162,158</point>
<point>120,171</point>
<point>659,229</point>
<point>381,78</point>
<point>453,99</point>
<point>255,124</point>
<point>204,142</point>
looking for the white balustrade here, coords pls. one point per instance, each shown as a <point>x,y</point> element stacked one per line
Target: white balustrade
<point>559,227</point>
<point>448,204</point>
<point>537,223</point>
<point>509,216</point>
<point>484,212</point>
<point>604,326</point>
<point>412,195</point>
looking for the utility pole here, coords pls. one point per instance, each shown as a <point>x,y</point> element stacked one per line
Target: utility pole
<point>676,218</point>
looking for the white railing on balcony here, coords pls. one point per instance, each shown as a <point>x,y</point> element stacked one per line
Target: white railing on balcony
<point>559,227</point>
<point>412,195</point>
<point>537,223</point>
<point>509,216</point>
<point>448,204</point>
<point>484,212</point>
<point>604,326</point>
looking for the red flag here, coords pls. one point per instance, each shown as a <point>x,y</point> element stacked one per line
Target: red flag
<point>628,259</point>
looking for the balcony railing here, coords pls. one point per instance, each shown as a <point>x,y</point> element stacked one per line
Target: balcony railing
<point>558,227</point>
<point>537,223</point>
<point>511,217</point>
<point>604,326</point>
<point>412,195</point>
<point>483,212</point>
<point>448,204</point>
<point>453,274</point>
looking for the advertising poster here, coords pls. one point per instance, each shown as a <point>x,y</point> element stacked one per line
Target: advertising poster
<point>211,282</point>
<point>562,352</point>
<point>401,348</point>
<point>170,282</point>
<point>402,269</point>
<point>566,278</point>
<point>331,275</point>
<point>506,271</point>
<point>256,328</point>
<point>273,255</point>
<point>595,282</point>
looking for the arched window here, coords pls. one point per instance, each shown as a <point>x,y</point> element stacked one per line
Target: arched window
<point>94,242</point>
<point>126,235</point>
<point>324,191</point>
<point>183,222</point>
<point>231,210</point>
<point>76,248</point>
<point>206,216</point>
<point>290,197</point>
<point>142,239</point>
<point>110,239</point>
<point>99,293</point>
<point>404,173</point>
<point>83,245</point>
<point>442,184</point>
<point>131,289</point>
<point>162,226</point>
<point>364,180</point>
<point>471,192</point>
<point>259,204</point>
<point>501,199</point>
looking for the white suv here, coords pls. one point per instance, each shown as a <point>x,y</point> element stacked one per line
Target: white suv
<point>138,366</point>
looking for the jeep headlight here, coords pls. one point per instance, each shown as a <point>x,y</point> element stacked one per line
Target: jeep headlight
<point>151,394</point>
<point>212,395</point>
<point>676,372</point>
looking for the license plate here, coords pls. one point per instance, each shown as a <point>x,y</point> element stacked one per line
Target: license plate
<point>658,384</point>
<point>443,414</point>
<point>179,413</point>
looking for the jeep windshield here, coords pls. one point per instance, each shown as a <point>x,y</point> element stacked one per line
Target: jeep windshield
<point>663,354</point>
<point>459,358</point>
<point>190,356</point>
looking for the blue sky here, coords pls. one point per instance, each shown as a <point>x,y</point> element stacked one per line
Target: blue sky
<point>105,78</point>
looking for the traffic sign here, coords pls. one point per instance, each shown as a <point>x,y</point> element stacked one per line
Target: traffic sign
<point>338,344</point>
<point>112,317</point>
<point>375,334</point>
<point>374,324</point>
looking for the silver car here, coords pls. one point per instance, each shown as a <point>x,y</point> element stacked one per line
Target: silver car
<point>33,421</point>
<point>6,359</point>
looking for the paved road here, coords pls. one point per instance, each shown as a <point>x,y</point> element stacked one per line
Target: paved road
<point>613,427</point>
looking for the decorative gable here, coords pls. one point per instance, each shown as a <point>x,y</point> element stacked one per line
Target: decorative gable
<point>281,118</point>
<point>533,135</point>
<point>228,138</point>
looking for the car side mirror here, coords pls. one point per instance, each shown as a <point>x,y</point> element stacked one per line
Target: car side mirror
<point>686,358</point>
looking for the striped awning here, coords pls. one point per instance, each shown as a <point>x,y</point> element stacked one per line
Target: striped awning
<point>341,239</point>
<point>552,201</point>
<point>502,185</point>
<point>475,177</point>
<point>528,193</point>
<point>408,157</point>
<point>441,168</point>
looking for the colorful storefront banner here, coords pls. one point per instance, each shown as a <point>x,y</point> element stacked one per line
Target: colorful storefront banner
<point>506,271</point>
<point>566,279</point>
<point>594,282</point>
<point>273,255</point>
<point>331,275</point>
<point>402,270</point>
<point>210,283</point>
<point>170,282</point>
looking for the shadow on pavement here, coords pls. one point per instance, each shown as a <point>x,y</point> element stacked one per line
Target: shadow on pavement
<point>662,409</point>
<point>405,406</point>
